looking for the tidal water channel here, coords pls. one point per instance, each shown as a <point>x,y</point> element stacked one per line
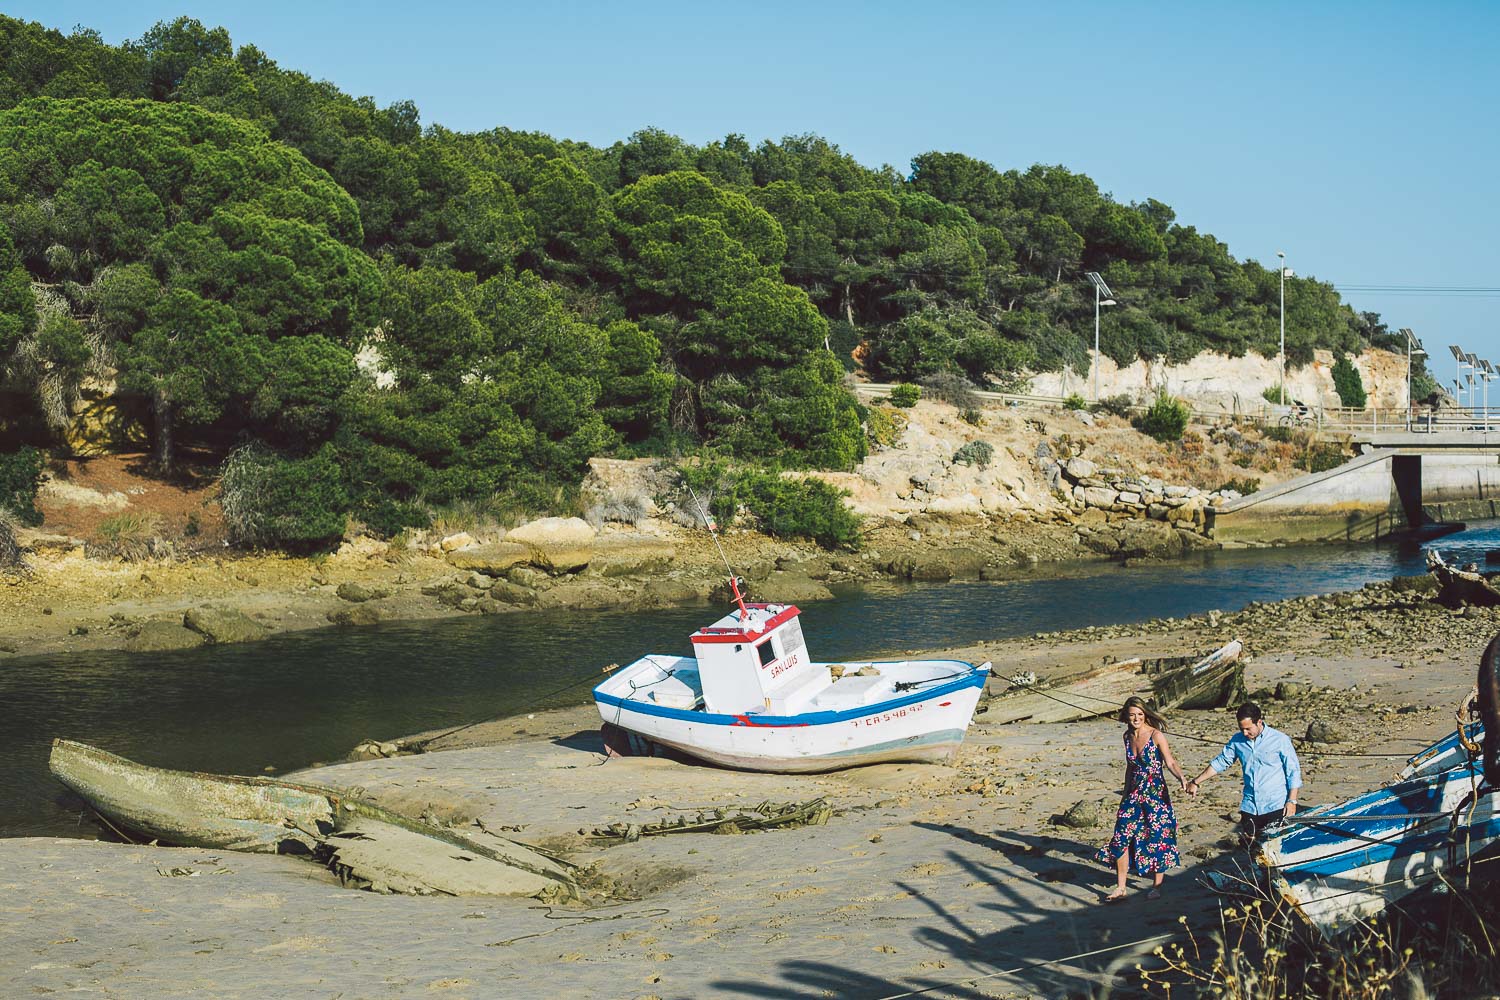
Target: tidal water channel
<point>304,697</point>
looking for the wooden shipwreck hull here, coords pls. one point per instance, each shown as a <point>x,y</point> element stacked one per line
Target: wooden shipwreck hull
<point>361,841</point>
<point>1165,682</point>
<point>1457,587</point>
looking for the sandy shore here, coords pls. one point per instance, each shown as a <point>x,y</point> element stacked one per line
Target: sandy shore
<point>952,879</point>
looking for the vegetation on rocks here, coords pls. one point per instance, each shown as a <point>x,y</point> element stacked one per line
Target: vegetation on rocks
<point>1166,418</point>
<point>1348,383</point>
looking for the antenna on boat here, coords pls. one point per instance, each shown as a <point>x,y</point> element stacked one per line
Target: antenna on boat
<point>713,532</point>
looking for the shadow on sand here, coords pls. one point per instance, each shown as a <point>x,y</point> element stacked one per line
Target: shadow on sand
<point>1042,947</point>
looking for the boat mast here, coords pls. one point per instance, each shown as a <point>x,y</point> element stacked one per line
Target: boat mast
<point>734,584</point>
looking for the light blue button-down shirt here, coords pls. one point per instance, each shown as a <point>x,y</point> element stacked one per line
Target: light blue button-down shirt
<point>1270,765</point>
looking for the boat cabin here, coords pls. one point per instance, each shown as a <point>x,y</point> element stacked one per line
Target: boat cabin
<point>756,661</point>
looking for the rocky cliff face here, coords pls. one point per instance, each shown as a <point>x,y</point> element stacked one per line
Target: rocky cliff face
<point>1234,385</point>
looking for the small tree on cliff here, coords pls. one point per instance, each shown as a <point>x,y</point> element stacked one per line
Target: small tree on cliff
<point>1348,384</point>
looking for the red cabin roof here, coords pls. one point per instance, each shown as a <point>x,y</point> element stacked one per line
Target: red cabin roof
<point>763,621</point>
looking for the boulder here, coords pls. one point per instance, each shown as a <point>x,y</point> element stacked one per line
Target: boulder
<point>1145,539</point>
<point>937,564</point>
<point>158,636</point>
<point>526,576</point>
<point>358,593</point>
<point>1086,814</point>
<point>1080,468</point>
<point>479,581</point>
<point>630,555</point>
<point>1287,690</point>
<point>513,593</point>
<point>222,627</point>
<point>1321,731</point>
<point>666,592</point>
<point>360,614</point>
<point>586,592</point>
<point>559,544</point>
<point>1105,543</point>
<point>455,542</point>
<point>492,559</point>
<point>787,587</point>
<point>1100,496</point>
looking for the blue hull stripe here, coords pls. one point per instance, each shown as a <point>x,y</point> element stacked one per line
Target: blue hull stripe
<point>1434,842</point>
<point>974,679</point>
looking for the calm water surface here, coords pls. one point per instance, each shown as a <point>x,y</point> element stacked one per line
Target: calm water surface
<point>295,699</point>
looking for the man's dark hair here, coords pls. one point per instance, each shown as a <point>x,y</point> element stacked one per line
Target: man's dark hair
<point>1249,710</point>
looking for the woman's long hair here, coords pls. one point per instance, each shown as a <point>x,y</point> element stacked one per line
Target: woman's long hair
<point>1153,720</point>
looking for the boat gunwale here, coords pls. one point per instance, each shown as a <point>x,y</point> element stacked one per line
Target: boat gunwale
<point>976,676</point>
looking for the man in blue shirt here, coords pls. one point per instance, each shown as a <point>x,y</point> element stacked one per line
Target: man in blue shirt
<point>1272,773</point>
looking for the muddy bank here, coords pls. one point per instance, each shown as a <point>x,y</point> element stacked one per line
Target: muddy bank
<point>925,875</point>
<point>68,600</point>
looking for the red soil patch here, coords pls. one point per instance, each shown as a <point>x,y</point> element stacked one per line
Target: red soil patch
<point>185,505</point>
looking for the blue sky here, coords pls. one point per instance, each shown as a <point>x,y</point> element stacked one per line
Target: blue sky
<point>1357,137</point>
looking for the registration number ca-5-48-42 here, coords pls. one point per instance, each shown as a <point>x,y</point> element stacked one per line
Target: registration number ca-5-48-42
<point>891,716</point>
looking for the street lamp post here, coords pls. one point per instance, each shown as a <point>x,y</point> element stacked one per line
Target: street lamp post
<point>1487,372</point>
<point>1283,272</point>
<point>1102,297</point>
<point>1413,349</point>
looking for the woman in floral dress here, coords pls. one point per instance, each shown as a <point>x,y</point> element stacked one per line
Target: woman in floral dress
<point>1145,840</point>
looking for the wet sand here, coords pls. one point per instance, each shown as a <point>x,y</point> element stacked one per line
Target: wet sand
<point>951,879</point>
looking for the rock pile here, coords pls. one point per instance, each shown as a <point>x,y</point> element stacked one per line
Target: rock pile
<point>1130,516</point>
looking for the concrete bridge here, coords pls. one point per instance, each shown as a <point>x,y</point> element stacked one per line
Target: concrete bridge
<point>1401,482</point>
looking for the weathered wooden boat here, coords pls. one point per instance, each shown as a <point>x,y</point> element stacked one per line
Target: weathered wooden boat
<point>364,843</point>
<point>1166,682</point>
<point>752,698</point>
<point>1459,586</point>
<point>1339,864</point>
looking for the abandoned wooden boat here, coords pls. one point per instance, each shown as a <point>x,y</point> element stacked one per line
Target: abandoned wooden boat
<point>1166,682</point>
<point>752,698</point>
<point>1339,864</point>
<point>362,842</point>
<point>1460,586</point>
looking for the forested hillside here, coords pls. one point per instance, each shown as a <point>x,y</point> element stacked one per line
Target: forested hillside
<point>219,237</point>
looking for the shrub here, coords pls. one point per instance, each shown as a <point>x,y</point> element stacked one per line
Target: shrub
<point>1166,419</point>
<point>131,537</point>
<point>1274,394</point>
<point>10,549</point>
<point>951,388</point>
<point>905,395</point>
<point>297,504</point>
<point>1320,456</point>
<point>883,426</point>
<point>1242,485</point>
<point>1192,444</point>
<point>972,416</point>
<point>1118,406</point>
<point>975,453</point>
<point>1348,384</point>
<point>801,508</point>
<point>20,478</point>
<point>621,506</point>
<point>1075,402</point>
<point>1281,434</point>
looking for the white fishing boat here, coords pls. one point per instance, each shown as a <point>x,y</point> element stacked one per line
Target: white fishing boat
<point>1339,864</point>
<point>752,698</point>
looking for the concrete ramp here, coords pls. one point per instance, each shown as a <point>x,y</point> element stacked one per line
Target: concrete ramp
<point>1358,501</point>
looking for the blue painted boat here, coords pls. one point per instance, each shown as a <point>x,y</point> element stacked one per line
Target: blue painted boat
<point>1340,864</point>
<point>751,698</point>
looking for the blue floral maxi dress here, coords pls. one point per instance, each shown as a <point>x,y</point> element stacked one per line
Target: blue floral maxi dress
<point>1145,824</point>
